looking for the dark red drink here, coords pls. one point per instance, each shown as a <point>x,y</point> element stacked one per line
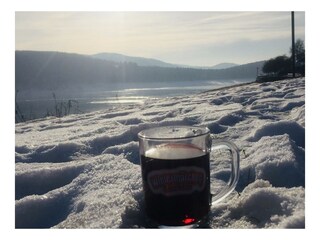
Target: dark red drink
<point>176,183</point>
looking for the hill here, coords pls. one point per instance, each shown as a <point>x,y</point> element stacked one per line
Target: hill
<point>140,61</point>
<point>224,65</point>
<point>53,71</point>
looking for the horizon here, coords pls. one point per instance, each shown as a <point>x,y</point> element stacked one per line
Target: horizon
<point>199,39</point>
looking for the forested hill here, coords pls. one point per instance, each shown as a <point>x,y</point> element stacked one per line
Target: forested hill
<point>60,71</point>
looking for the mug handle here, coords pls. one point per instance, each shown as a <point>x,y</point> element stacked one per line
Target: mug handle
<point>235,169</point>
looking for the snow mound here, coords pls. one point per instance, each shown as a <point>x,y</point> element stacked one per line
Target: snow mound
<point>82,171</point>
<point>262,205</point>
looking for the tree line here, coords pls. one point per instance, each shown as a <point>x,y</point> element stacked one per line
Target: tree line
<point>282,65</point>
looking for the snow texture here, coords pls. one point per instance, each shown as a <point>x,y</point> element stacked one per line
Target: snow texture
<point>82,171</point>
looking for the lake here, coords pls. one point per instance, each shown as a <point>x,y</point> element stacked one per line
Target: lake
<point>34,104</point>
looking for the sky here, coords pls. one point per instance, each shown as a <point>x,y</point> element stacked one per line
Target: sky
<point>191,38</point>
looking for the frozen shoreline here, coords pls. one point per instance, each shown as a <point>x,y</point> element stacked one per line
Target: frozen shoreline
<point>82,171</point>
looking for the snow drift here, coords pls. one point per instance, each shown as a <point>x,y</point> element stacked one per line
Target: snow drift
<point>82,171</point>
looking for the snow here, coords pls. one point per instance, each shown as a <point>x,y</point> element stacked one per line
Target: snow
<point>82,171</point>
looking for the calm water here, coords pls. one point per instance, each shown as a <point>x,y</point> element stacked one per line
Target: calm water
<point>38,105</point>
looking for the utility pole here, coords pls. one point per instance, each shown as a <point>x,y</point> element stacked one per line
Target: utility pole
<point>293,47</point>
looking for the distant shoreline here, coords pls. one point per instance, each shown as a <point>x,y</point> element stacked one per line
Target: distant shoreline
<point>228,87</point>
<point>242,84</point>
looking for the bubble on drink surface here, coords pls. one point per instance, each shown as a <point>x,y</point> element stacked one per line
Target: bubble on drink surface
<point>174,152</point>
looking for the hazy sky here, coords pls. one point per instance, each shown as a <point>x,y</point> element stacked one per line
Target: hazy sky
<point>192,38</point>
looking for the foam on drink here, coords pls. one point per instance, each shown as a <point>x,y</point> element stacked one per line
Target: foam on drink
<point>174,152</point>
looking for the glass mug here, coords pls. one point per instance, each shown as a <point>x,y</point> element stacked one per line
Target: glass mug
<point>175,166</point>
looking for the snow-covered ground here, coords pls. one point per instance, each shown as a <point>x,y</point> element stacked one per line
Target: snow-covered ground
<point>82,171</point>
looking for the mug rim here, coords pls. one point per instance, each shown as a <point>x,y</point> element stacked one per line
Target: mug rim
<point>143,134</point>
